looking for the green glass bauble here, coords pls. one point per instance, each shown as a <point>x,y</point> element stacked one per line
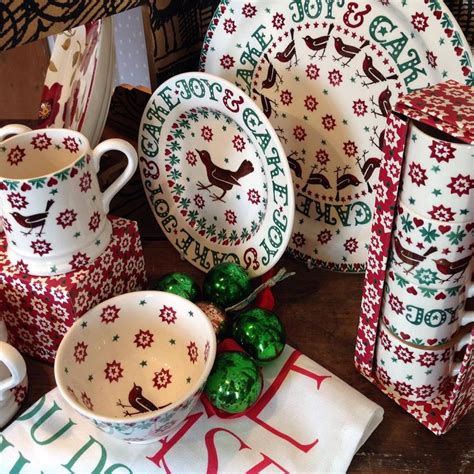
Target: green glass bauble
<point>217,316</point>
<point>235,382</point>
<point>261,333</point>
<point>226,284</point>
<point>180,284</point>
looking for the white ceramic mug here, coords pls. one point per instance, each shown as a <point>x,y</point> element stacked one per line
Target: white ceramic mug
<point>13,379</point>
<point>415,373</point>
<point>54,213</point>
<point>428,252</point>
<point>438,176</point>
<point>424,316</point>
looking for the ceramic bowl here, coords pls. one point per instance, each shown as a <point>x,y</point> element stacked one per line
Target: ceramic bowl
<point>136,364</point>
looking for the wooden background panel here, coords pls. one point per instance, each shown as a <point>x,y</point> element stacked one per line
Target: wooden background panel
<point>22,73</point>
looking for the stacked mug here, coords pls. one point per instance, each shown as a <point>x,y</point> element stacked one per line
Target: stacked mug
<point>429,271</point>
<point>54,216</point>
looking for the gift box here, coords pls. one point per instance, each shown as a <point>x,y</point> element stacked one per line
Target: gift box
<point>449,107</point>
<point>39,310</point>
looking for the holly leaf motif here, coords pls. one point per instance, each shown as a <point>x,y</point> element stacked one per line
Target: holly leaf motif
<point>428,292</point>
<point>456,236</point>
<point>400,281</point>
<point>429,233</point>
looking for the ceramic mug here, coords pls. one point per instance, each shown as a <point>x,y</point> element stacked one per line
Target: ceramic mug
<point>438,176</point>
<point>54,213</point>
<point>422,315</point>
<point>13,379</point>
<point>428,252</point>
<point>415,373</point>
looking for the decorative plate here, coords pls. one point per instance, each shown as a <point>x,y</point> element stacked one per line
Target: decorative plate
<point>77,79</point>
<point>215,174</point>
<point>326,75</point>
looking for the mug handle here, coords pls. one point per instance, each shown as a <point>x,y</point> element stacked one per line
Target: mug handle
<point>15,364</point>
<point>13,129</point>
<point>119,145</point>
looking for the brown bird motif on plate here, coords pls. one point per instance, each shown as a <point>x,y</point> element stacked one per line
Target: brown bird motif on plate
<point>221,178</point>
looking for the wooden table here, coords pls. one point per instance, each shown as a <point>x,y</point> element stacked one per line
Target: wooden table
<point>320,311</point>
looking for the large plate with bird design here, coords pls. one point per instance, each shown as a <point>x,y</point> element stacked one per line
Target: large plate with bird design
<point>326,73</point>
<point>215,174</point>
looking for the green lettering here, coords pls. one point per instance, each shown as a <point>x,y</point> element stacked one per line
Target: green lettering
<point>363,214</point>
<point>20,462</point>
<point>99,466</point>
<point>303,206</point>
<point>275,160</point>
<point>43,419</point>
<point>280,192</point>
<point>168,98</point>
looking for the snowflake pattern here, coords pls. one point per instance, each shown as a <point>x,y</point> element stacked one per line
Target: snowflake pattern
<point>192,352</point>
<point>417,174</point>
<point>403,388</point>
<point>310,103</point>
<point>404,354</point>
<point>253,196</point>
<point>191,158</point>
<point>324,236</point>
<point>278,21</point>
<point>424,392</point>
<point>71,144</point>
<point>461,185</point>
<point>432,59</point>
<point>359,107</point>
<point>113,371</point>
<point>350,148</point>
<point>428,359</point>
<point>335,77</point>
<point>321,156</point>
<point>109,314</point>
<point>425,276</point>
<point>79,260</point>
<point>286,97</point>
<point>442,151</point>
<point>143,339</point>
<point>442,213</point>
<point>229,26</point>
<point>385,341</point>
<point>41,141</point>
<point>85,183</point>
<point>41,247</point>
<point>299,133</point>
<point>312,71</point>
<point>298,239</point>
<point>351,245</point>
<point>419,21</point>
<point>80,352</point>
<point>162,379</point>
<point>199,201</point>
<point>17,201</point>
<point>15,155</point>
<point>329,122</point>
<point>206,133</point>
<point>86,401</point>
<point>227,61</point>
<point>230,217</point>
<point>168,314</point>
<point>396,304</point>
<point>19,393</point>
<point>94,221</point>
<point>238,143</point>
<point>382,376</point>
<point>66,218</point>
<point>249,10</point>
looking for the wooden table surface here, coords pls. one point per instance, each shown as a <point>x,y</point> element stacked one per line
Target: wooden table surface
<point>320,311</point>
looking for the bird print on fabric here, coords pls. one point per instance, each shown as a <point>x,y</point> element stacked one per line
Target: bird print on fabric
<point>221,178</point>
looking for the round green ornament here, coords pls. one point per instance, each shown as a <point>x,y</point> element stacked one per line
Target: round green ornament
<point>235,382</point>
<point>226,284</point>
<point>180,284</point>
<point>261,333</point>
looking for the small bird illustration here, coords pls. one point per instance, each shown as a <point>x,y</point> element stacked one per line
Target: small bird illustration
<point>409,257</point>
<point>220,177</point>
<point>139,402</point>
<point>273,78</point>
<point>383,103</point>
<point>344,180</point>
<point>372,73</point>
<point>346,50</point>
<point>33,221</point>
<point>452,268</point>
<point>289,53</point>
<point>318,44</point>
<point>266,104</point>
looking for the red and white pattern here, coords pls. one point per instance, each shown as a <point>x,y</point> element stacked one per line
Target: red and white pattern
<point>162,379</point>
<point>113,371</point>
<point>168,314</point>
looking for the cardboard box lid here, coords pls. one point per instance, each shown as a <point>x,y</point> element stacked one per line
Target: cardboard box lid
<point>448,106</point>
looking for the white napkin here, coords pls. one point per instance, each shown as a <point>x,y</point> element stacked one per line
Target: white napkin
<point>307,420</point>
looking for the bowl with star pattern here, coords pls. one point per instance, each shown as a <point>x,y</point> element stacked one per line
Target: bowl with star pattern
<point>136,364</point>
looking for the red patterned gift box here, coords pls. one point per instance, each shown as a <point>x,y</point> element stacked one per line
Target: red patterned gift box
<point>449,107</point>
<point>39,310</point>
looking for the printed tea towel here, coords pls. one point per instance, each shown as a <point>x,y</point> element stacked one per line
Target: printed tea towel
<point>307,420</point>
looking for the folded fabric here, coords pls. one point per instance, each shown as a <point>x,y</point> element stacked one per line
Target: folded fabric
<point>307,420</point>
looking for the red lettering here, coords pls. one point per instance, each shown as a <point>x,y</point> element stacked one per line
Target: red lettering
<point>212,459</point>
<point>263,464</point>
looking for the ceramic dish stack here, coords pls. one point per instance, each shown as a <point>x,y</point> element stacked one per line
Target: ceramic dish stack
<point>79,81</point>
<point>429,274</point>
<point>326,74</point>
